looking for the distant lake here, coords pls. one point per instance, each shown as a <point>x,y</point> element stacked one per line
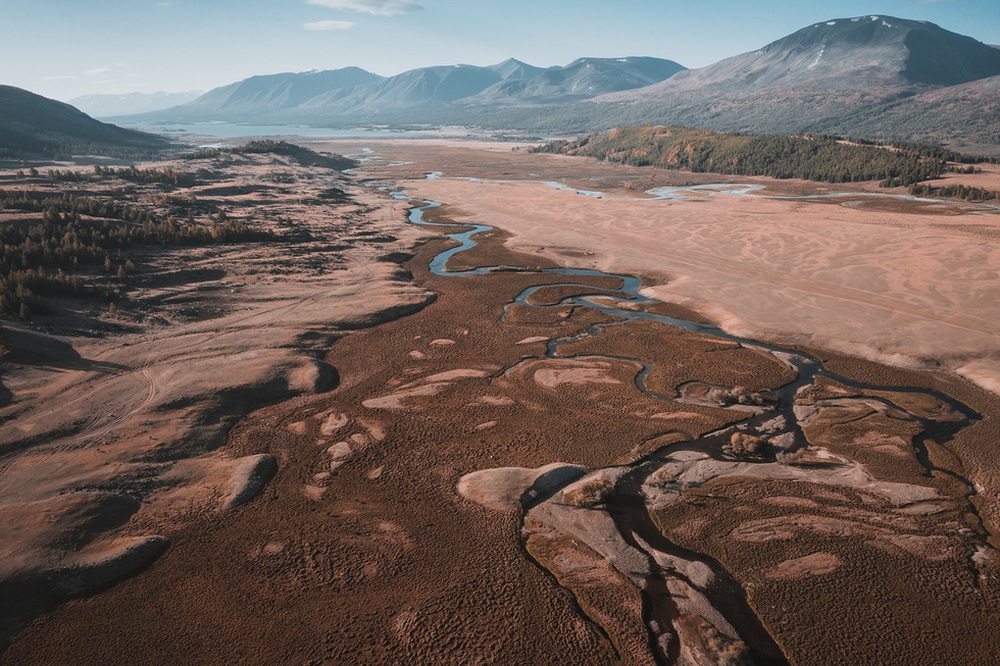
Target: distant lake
<point>183,131</point>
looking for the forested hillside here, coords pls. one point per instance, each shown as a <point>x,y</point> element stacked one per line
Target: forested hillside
<point>74,246</point>
<point>810,157</point>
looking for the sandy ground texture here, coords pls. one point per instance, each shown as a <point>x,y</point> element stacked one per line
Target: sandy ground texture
<point>908,284</point>
<point>113,424</point>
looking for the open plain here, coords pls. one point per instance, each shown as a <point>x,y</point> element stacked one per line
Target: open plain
<point>496,475</point>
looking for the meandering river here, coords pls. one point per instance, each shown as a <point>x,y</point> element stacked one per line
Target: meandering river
<point>627,505</point>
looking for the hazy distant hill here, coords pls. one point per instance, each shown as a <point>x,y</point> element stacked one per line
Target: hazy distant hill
<point>35,126</point>
<point>107,106</point>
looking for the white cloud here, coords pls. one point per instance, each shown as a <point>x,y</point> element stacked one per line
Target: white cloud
<point>328,25</point>
<point>378,7</point>
<point>97,71</point>
<point>60,78</point>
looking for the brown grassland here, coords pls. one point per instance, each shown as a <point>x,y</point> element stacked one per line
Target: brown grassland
<point>452,494</point>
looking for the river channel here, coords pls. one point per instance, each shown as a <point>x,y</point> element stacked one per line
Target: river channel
<point>627,504</point>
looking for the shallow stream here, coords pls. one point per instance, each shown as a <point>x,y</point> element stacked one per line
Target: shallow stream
<point>627,505</point>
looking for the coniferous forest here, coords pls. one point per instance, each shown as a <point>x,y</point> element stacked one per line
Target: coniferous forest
<point>61,242</point>
<point>809,157</point>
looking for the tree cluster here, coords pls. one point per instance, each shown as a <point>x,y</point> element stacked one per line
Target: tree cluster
<point>957,191</point>
<point>165,175</point>
<point>810,157</point>
<point>66,234</point>
<point>303,156</point>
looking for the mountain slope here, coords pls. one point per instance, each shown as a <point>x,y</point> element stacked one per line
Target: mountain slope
<point>512,69</point>
<point>851,76</point>
<point>583,78</point>
<point>260,94</point>
<point>35,126</point>
<point>861,53</point>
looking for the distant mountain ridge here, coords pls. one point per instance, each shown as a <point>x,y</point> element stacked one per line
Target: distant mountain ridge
<point>583,78</point>
<point>33,126</point>
<point>873,76</point>
<point>355,94</point>
<point>260,94</point>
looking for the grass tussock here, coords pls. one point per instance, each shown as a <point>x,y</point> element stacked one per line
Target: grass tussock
<point>743,444</point>
<point>588,492</point>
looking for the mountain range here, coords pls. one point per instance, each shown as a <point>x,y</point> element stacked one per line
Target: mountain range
<point>354,95</point>
<point>874,76</point>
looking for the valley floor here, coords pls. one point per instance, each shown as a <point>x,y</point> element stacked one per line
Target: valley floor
<point>460,493</point>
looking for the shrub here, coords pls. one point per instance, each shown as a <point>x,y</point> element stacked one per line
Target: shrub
<point>741,443</point>
<point>588,492</point>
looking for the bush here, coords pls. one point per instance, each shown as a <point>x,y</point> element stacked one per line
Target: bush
<point>588,492</point>
<point>743,444</point>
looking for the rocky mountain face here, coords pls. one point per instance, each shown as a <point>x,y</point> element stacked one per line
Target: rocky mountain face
<point>856,54</point>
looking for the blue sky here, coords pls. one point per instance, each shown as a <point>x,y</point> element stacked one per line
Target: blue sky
<point>67,48</point>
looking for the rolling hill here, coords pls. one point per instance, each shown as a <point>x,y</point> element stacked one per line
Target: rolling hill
<point>33,126</point>
<point>107,106</point>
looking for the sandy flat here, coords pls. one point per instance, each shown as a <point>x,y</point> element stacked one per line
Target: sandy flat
<point>907,288</point>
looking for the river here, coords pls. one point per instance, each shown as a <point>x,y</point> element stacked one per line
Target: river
<point>627,505</point>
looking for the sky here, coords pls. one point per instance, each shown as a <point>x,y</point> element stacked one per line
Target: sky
<point>68,48</point>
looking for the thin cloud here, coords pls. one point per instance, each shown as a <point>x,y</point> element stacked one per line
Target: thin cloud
<point>60,78</point>
<point>98,71</point>
<point>930,2</point>
<point>377,7</point>
<point>328,25</point>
